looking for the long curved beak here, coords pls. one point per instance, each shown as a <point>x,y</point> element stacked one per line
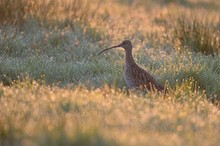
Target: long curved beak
<point>108,49</point>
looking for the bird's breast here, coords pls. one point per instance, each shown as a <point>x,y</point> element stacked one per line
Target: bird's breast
<point>129,79</point>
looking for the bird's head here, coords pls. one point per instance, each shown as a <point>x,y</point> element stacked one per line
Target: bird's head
<point>126,44</point>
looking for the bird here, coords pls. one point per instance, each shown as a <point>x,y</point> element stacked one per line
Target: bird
<point>135,76</point>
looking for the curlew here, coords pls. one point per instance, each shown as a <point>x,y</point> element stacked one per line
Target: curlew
<point>135,76</point>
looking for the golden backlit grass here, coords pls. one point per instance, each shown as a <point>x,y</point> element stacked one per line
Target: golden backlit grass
<point>33,114</point>
<point>61,93</point>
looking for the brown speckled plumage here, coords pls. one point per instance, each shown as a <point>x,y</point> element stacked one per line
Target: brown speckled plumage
<point>135,76</point>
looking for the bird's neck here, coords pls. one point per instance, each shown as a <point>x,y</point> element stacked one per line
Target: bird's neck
<point>129,60</point>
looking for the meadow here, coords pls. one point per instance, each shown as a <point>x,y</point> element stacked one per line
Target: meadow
<point>55,89</point>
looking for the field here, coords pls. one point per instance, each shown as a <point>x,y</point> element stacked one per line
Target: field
<point>55,90</point>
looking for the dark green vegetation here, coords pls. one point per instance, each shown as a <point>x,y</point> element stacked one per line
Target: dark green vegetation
<point>198,34</point>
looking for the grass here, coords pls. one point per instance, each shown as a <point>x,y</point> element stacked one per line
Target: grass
<point>34,114</point>
<point>20,11</point>
<point>198,35</point>
<point>55,90</point>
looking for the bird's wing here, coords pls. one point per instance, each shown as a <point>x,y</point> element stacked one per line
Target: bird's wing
<point>142,77</point>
